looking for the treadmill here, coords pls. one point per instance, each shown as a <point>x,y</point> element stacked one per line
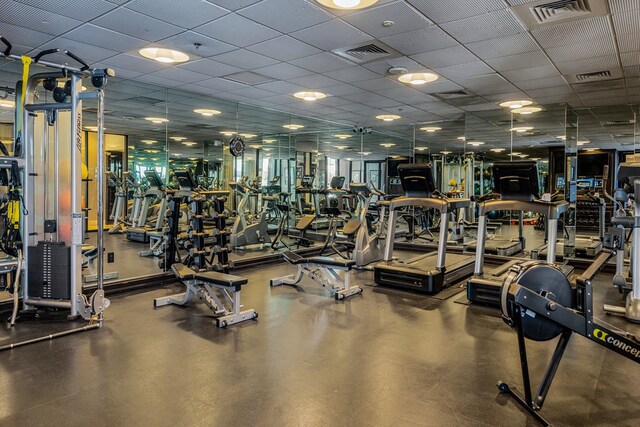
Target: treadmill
<point>140,231</point>
<point>517,184</point>
<point>434,271</point>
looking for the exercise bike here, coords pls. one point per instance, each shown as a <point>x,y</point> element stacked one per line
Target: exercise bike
<point>244,232</point>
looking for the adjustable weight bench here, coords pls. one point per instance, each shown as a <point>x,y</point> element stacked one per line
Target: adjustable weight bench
<point>322,270</point>
<point>219,291</point>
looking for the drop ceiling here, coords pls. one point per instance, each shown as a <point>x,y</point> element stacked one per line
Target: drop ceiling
<point>480,46</point>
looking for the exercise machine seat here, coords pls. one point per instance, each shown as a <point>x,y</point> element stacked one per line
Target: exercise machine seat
<point>351,228</point>
<point>295,259</point>
<point>222,279</point>
<point>183,272</point>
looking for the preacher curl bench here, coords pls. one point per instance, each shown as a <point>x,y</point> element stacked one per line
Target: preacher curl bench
<point>322,270</point>
<point>219,291</point>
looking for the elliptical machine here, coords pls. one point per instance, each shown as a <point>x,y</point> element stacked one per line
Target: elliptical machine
<point>244,233</point>
<point>367,247</point>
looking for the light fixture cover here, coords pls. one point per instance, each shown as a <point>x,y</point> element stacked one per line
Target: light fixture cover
<point>526,110</point>
<point>431,128</point>
<point>156,120</point>
<point>166,56</point>
<point>388,117</point>
<point>310,96</point>
<point>418,78</point>
<point>347,4</point>
<point>206,112</point>
<point>516,104</point>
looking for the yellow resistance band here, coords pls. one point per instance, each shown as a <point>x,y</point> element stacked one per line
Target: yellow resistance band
<point>26,62</point>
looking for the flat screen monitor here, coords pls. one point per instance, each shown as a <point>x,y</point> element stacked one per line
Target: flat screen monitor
<point>185,179</point>
<point>516,180</point>
<point>154,179</point>
<point>417,179</point>
<point>306,181</point>
<point>337,182</point>
<point>628,173</point>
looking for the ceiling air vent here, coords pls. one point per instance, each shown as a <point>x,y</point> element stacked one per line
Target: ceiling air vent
<point>541,13</point>
<point>596,75</point>
<point>362,54</point>
<point>619,122</point>
<point>453,94</point>
<point>560,10</point>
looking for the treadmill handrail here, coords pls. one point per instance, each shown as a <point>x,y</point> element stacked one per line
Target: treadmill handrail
<point>552,210</point>
<point>442,205</point>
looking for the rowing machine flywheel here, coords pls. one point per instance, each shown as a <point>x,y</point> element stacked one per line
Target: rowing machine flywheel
<point>546,280</point>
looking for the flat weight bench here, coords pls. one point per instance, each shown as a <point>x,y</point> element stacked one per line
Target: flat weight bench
<point>322,270</point>
<point>219,291</point>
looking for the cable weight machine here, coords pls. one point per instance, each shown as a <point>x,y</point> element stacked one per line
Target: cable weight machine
<point>47,153</point>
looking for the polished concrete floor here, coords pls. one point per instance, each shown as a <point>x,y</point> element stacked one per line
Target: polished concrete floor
<point>386,358</point>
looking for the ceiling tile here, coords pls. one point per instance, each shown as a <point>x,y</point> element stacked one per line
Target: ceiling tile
<point>382,67</point>
<point>484,27</point>
<point>404,19</point>
<point>233,4</point>
<point>237,30</point>
<point>26,16</point>
<point>284,48</point>
<point>314,81</point>
<point>618,6</point>
<point>196,44</point>
<point>541,83</point>
<point>191,14</point>
<point>220,84</point>
<point>281,87</point>
<point>352,74</point>
<point>628,42</point>
<point>343,89</point>
<point>627,22</point>
<point>286,16</point>
<point>503,46</point>
<point>322,62</point>
<point>244,59</point>
<point>550,91</point>
<point>469,69</point>
<point>630,59</point>
<point>87,52</point>
<point>251,92</point>
<point>77,9</point>
<point>21,35</point>
<point>426,39</point>
<point>445,57</point>
<point>539,72</point>
<point>331,35</point>
<point>378,84</point>
<point>94,35</point>
<point>587,49</point>
<point>135,24</point>
<point>282,71</point>
<point>181,75</point>
<point>573,32</point>
<point>209,67</point>
<point>516,62</point>
<point>446,11</point>
<point>135,63</point>
<point>588,65</point>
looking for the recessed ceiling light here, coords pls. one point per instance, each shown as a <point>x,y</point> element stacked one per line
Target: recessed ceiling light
<point>515,153</point>
<point>515,104</point>
<point>522,156</point>
<point>131,147</point>
<point>152,151</point>
<point>248,135</point>
<point>347,4</point>
<point>166,56</point>
<point>348,159</point>
<point>461,138</point>
<point>5,103</point>
<point>193,159</point>
<point>207,113</point>
<point>590,149</point>
<point>418,78</point>
<point>387,145</point>
<point>526,110</point>
<point>388,117</point>
<point>178,138</point>
<point>227,133</point>
<point>310,96</point>
<point>255,146</point>
<point>445,152</point>
<point>189,144</point>
<point>269,141</point>
<point>422,148</point>
<point>544,161</point>
<point>292,126</point>
<point>341,147</point>
<point>342,136</point>
<point>521,129</point>
<point>148,141</point>
<point>583,142</point>
<point>142,158</point>
<point>561,137</point>
<point>475,143</point>
<point>156,120</point>
<point>364,153</point>
<point>268,149</point>
<point>497,150</point>
<point>430,128</point>
<point>535,158</point>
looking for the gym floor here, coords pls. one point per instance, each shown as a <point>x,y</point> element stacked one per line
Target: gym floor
<point>384,358</point>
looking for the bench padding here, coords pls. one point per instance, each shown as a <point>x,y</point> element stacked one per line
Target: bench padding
<point>295,259</point>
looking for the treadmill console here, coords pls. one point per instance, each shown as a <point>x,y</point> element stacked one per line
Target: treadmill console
<point>417,179</point>
<point>627,174</point>
<point>154,179</point>
<point>306,181</point>
<point>516,180</point>
<point>337,182</point>
<point>185,179</point>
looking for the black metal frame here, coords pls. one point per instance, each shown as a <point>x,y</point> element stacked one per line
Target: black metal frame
<point>579,320</point>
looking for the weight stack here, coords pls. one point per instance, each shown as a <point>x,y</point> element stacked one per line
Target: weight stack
<point>49,270</point>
